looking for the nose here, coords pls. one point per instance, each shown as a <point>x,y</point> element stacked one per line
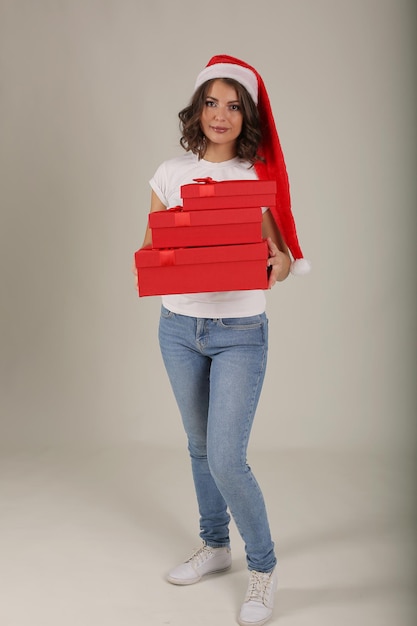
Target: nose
<point>220,112</point>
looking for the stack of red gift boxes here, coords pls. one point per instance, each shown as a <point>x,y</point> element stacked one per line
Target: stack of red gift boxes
<point>212,243</point>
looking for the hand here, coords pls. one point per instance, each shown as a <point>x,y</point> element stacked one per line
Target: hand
<point>135,274</point>
<point>279,262</point>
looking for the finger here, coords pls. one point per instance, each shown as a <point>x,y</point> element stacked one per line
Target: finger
<point>273,276</point>
<point>272,246</point>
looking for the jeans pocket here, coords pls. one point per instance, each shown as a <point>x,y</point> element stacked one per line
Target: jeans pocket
<point>243,323</point>
<point>166,313</point>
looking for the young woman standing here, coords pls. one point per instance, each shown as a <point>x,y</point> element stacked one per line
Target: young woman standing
<point>214,345</point>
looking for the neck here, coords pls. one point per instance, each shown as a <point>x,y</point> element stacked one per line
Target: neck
<point>218,153</point>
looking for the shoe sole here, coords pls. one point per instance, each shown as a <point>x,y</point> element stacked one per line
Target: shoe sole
<point>181,582</point>
<point>261,623</point>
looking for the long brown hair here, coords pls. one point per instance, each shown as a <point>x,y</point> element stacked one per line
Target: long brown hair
<point>193,138</point>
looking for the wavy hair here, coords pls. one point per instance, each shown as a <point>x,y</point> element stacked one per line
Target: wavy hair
<point>193,138</point>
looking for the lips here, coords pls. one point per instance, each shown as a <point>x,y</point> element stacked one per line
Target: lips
<point>218,129</point>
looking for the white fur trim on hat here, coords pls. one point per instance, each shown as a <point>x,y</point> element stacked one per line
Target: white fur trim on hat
<point>241,74</point>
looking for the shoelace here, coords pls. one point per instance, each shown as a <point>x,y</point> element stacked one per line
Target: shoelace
<point>200,555</point>
<point>259,584</point>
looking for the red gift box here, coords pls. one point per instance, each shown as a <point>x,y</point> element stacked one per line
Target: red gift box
<point>203,269</point>
<point>176,228</point>
<point>206,193</point>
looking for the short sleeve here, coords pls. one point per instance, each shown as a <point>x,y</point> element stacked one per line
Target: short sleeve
<point>158,183</point>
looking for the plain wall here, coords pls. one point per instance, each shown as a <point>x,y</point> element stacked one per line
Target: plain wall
<point>90,92</point>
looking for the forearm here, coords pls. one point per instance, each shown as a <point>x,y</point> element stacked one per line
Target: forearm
<point>147,241</point>
<point>279,258</point>
<point>156,205</point>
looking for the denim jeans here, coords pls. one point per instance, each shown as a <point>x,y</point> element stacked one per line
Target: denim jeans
<point>216,368</point>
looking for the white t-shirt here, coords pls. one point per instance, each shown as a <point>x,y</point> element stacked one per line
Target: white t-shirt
<point>166,183</point>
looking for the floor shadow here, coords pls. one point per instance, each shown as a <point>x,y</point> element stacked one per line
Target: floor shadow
<point>290,601</point>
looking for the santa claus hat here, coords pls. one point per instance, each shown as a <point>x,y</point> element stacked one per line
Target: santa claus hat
<point>272,166</point>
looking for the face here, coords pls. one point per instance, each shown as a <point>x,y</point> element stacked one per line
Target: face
<point>221,118</point>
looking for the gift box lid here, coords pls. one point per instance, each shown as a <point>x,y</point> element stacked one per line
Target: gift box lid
<point>177,217</point>
<point>207,187</point>
<point>149,257</point>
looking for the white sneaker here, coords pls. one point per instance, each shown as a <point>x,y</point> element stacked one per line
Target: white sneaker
<point>205,560</point>
<point>259,601</point>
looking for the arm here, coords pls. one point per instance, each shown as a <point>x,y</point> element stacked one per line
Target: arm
<point>279,259</point>
<point>156,205</point>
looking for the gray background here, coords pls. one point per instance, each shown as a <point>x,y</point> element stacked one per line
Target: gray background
<point>89,97</point>
<point>96,495</point>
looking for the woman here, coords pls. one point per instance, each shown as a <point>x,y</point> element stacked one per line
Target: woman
<point>214,345</point>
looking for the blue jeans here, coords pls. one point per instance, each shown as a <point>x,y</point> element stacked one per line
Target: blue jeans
<point>216,368</point>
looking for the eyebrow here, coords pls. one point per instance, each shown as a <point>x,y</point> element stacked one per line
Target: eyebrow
<point>230,101</point>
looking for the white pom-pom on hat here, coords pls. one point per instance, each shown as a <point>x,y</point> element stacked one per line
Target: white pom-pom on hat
<point>300,267</point>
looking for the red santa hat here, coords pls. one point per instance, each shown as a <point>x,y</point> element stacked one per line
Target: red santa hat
<point>272,166</point>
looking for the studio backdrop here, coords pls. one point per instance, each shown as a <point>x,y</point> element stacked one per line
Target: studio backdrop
<point>90,92</point>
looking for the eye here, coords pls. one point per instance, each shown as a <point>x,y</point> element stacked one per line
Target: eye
<point>234,107</point>
<point>210,103</point>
